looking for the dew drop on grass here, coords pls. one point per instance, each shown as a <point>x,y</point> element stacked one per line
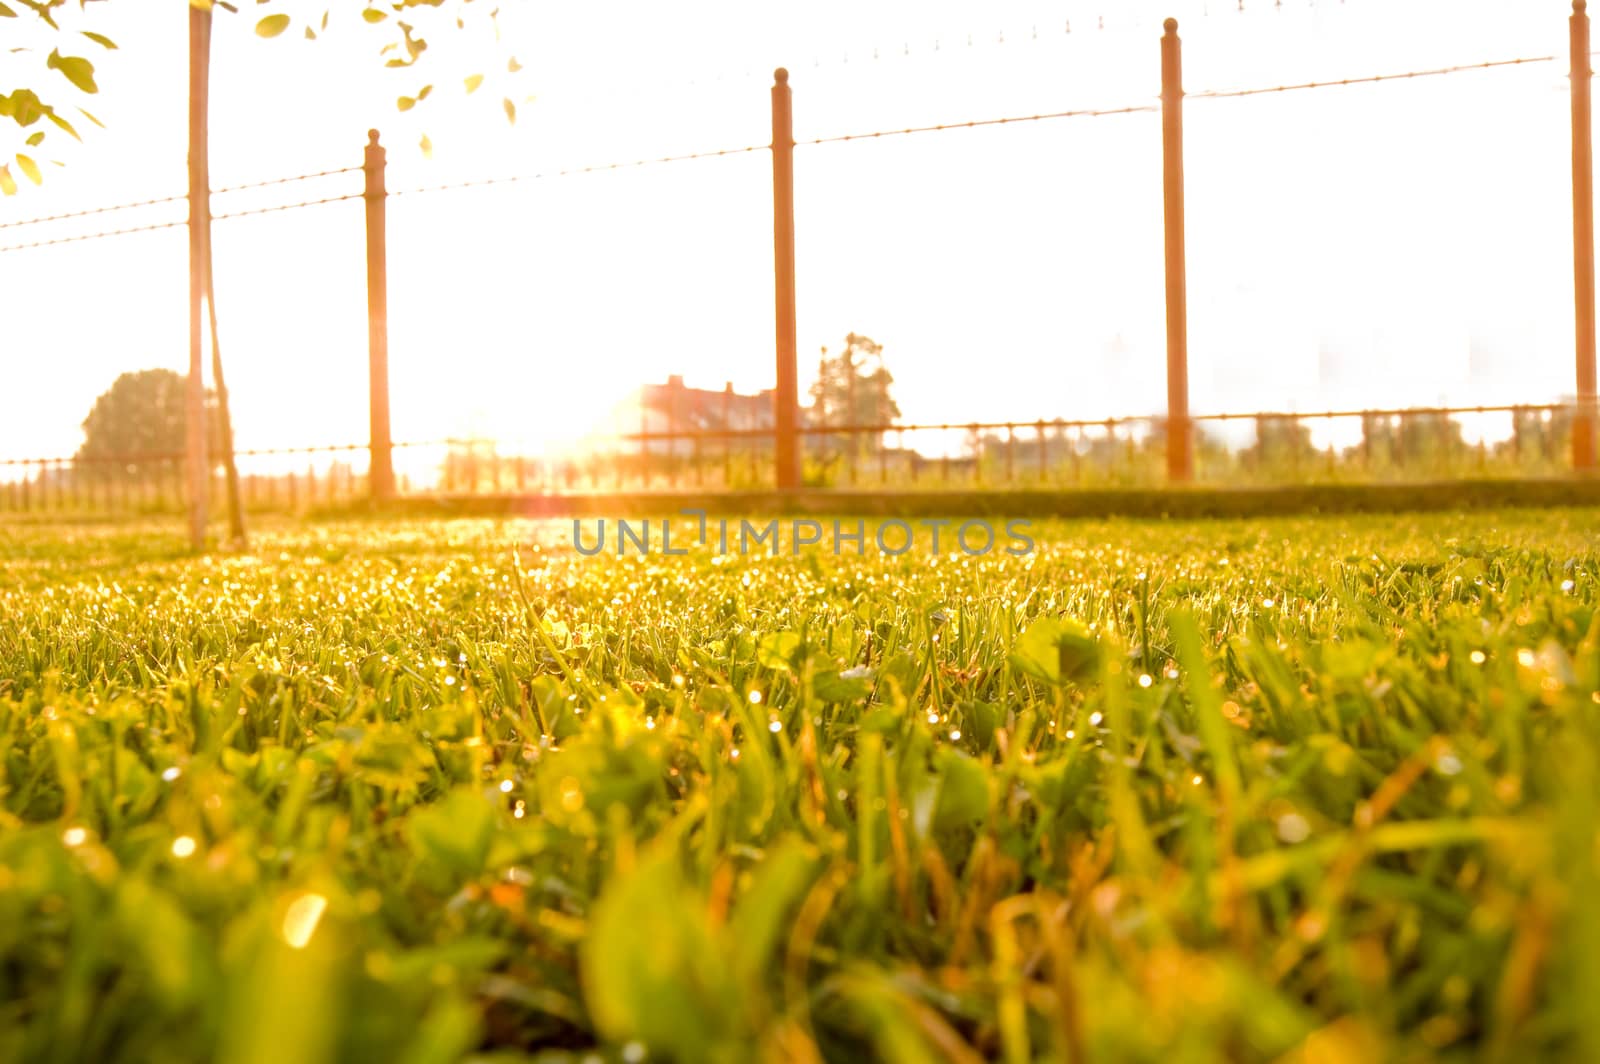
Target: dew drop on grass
<point>171,774</point>
<point>1293,828</point>
<point>506,786</point>
<point>955,734</point>
<point>775,727</point>
<point>74,836</point>
<point>1478,657</point>
<point>183,846</point>
<point>755,698</point>
<point>1145,679</point>
<point>300,920</point>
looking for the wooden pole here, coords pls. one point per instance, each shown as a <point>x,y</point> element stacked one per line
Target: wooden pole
<point>230,467</point>
<point>1180,447</point>
<point>1583,426</point>
<point>786,397</point>
<point>381,478</point>
<point>199,219</point>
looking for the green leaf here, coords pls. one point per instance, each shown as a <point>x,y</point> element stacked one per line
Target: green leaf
<point>513,65</point>
<point>151,927</point>
<point>405,103</point>
<point>30,168</point>
<point>1206,702</point>
<point>473,81</point>
<point>63,124</point>
<point>311,34</point>
<point>1056,650</point>
<point>102,40</point>
<point>760,918</point>
<point>23,107</point>
<point>8,184</point>
<point>272,25</point>
<point>75,69</point>
<point>776,650</point>
<point>6,12</point>
<point>427,147</point>
<point>963,789</point>
<point>455,832</point>
<point>372,14</point>
<point>35,139</point>
<point>668,988</point>
<point>830,685</point>
<point>511,110</point>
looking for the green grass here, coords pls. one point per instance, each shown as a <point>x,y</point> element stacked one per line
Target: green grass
<point>1320,790</point>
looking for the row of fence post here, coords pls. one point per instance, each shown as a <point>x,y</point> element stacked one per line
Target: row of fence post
<point>1179,441</point>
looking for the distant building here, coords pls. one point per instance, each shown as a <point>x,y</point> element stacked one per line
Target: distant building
<point>675,407</point>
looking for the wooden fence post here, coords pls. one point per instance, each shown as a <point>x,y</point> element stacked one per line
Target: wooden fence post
<point>1583,426</point>
<point>786,397</point>
<point>199,223</point>
<point>380,443</point>
<point>1180,449</point>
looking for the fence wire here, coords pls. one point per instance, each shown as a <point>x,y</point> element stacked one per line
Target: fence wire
<point>95,236</point>
<point>976,123</point>
<point>1372,79</point>
<point>285,206</point>
<point>1136,108</point>
<point>595,168</point>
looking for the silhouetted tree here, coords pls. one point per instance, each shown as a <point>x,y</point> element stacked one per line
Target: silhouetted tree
<point>142,413</point>
<point>853,387</point>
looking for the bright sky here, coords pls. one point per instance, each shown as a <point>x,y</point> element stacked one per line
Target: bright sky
<point>1405,243</point>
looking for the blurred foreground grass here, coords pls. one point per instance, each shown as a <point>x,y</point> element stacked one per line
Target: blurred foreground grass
<point>1300,789</point>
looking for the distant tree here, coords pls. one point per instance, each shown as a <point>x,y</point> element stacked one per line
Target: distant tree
<point>1280,441</point>
<point>1210,451</point>
<point>1416,437</point>
<point>1538,434</point>
<point>853,387</point>
<point>142,413</point>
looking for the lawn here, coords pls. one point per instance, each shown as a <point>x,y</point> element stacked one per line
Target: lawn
<point>1312,789</point>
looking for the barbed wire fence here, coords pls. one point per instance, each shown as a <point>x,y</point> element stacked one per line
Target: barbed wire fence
<point>674,448</point>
